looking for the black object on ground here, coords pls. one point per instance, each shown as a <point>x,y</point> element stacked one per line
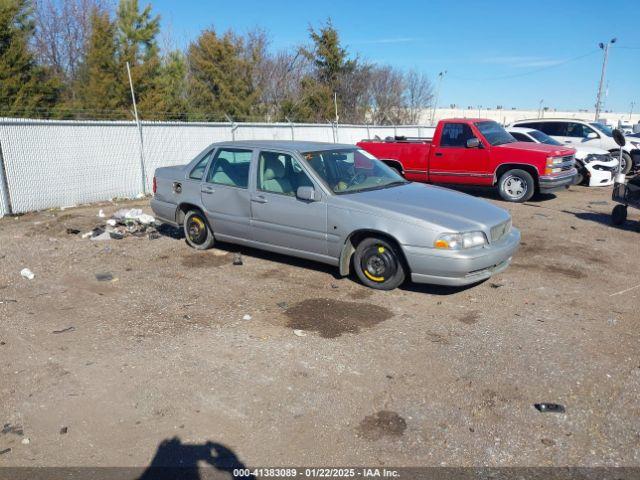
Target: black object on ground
<point>64,430</point>
<point>64,330</point>
<point>549,407</point>
<point>154,236</point>
<point>6,450</point>
<point>237,259</point>
<point>73,231</point>
<point>104,277</point>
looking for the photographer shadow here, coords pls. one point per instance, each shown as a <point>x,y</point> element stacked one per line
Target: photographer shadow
<point>175,460</point>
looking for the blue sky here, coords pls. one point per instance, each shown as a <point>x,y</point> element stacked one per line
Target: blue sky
<point>495,52</point>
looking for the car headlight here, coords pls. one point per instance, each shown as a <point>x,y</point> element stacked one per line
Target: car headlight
<point>459,241</point>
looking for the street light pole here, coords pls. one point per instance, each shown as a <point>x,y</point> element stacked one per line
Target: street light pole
<point>604,47</point>
<point>633,104</point>
<point>540,108</point>
<point>435,103</point>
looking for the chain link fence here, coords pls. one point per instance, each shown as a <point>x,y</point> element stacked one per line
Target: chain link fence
<point>50,164</point>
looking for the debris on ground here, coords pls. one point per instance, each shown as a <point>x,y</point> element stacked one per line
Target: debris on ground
<point>101,214</point>
<point>8,300</point>
<point>237,259</point>
<point>549,407</point>
<point>73,231</point>
<point>104,277</point>
<point>282,305</point>
<point>497,285</point>
<point>25,441</point>
<point>28,274</point>
<point>64,430</point>
<point>12,429</point>
<point>299,333</point>
<point>64,330</point>
<point>125,222</point>
<point>247,317</point>
<point>6,450</point>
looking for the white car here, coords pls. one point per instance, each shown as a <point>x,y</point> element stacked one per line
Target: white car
<point>575,132</point>
<point>596,167</point>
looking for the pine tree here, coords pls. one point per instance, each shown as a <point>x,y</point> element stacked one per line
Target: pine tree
<point>220,78</point>
<point>169,93</point>
<point>26,89</point>
<point>98,90</point>
<point>137,33</point>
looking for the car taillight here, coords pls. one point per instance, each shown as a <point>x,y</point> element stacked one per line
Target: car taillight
<point>155,185</point>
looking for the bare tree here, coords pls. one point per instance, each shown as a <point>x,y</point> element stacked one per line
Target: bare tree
<point>62,31</point>
<point>387,90</point>
<point>418,95</point>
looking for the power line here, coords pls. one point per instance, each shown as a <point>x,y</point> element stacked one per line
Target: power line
<point>530,72</point>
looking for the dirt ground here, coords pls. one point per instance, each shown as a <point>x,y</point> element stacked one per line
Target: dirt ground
<point>157,355</point>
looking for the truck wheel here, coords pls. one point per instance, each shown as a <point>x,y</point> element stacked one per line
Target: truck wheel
<point>627,162</point>
<point>619,215</point>
<point>378,264</point>
<point>197,231</point>
<point>516,186</point>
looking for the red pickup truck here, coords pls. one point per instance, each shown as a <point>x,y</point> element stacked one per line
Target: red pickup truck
<point>478,152</point>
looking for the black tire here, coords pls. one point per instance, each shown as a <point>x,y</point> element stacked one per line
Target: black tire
<point>516,186</point>
<point>379,264</point>
<point>619,215</point>
<point>627,161</point>
<point>197,231</point>
<point>581,176</point>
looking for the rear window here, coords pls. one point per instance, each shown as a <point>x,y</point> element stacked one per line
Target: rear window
<point>455,135</point>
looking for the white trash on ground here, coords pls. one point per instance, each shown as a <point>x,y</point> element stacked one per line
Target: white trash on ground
<point>28,274</point>
<point>125,222</point>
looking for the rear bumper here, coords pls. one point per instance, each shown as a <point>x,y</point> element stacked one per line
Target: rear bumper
<point>442,267</point>
<point>556,182</point>
<point>165,212</point>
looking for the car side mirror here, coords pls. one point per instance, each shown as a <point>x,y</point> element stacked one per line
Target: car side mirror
<point>473,143</point>
<point>636,128</point>
<point>306,193</point>
<point>592,135</point>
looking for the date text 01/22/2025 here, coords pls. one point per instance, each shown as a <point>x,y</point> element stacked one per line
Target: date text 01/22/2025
<point>316,473</point>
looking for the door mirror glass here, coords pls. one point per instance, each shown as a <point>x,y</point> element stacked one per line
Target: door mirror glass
<point>473,143</point>
<point>636,128</point>
<point>592,135</point>
<point>618,136</point>
<point>308,194</point>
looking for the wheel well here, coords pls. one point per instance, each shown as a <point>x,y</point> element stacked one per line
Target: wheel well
<point>512,166</point>
<point>394,164</point>
<point>182,211</point>
<point>356,237</point>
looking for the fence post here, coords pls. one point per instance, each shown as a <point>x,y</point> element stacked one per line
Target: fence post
<point>135,111</point>
<point>291,126</point>
<point>234,127</point>
<point>4,185</point>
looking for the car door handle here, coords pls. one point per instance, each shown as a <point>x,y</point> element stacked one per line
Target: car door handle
<point>207,190</point>
<point>259,199</point>
<point>438,154</point>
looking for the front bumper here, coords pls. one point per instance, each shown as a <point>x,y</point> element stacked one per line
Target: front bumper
<point>550,183</point>
<point>458,268</point>
<point>603,176</point>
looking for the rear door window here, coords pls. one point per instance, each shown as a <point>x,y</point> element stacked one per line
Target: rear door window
<point>231,167</point>
<point>455,135</point>
<point>521,137</point>
<point>557,129</point>
<point>198,171</point>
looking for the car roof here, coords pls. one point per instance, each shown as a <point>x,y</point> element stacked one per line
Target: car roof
<point>521,129</point>
<point>291,145</point>
<point>527,120</point>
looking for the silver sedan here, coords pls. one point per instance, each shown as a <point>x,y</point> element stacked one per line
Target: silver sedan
<point>338,205</point>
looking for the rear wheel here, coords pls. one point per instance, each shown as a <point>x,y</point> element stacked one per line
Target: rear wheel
<point>516,186</point>
<point>619,214</point>
<point>197,231</point>
<point>379,264</point>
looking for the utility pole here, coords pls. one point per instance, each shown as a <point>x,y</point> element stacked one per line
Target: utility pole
<point>135,112</point>
<point>540,108</point>
<point>605,48</point>
<point>633,104</point>
<point>435,102</point>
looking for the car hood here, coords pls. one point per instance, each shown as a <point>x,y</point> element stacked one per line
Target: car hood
<point>437,206</point>
<point>583,150</point>
<point>543,148</point>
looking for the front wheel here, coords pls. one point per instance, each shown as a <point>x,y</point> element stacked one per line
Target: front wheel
<point>625,161</point>
<point>378,264</point>
<point>516,186</point>
<point>197,231</point>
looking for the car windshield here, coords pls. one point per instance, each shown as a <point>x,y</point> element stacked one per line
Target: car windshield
<point>494,133</point>
<point>603,129</point>
<point>542,137</point>
<point>352,170</point>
